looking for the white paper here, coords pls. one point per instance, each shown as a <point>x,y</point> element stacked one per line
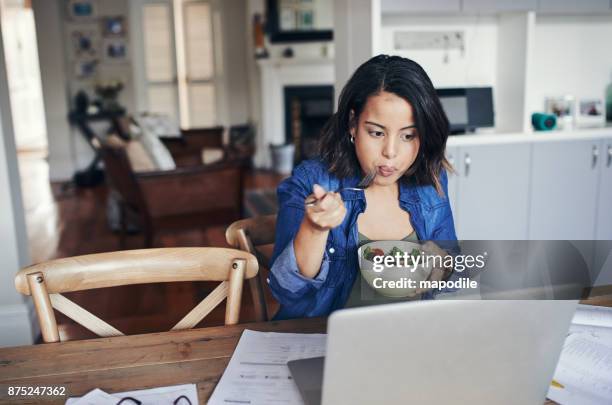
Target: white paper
<point>593,315</point>
<point>257,373</point>
<point>585,371</point>
<point>600,332</point>
<point>153,396</point>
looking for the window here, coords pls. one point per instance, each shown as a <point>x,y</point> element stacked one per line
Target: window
<point>176,68</point>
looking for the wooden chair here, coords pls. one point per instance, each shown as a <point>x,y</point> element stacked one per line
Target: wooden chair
<point>46,281</point>
<point>246,235</point>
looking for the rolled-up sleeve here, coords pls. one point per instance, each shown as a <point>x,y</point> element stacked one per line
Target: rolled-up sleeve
<point>287,284</point>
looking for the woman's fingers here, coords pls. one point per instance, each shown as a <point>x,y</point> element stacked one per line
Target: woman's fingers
<point>328,212</point>
<point>318,192</point>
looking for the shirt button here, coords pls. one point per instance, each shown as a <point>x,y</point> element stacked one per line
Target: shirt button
<point>268,280</point>
<point>332,250</point>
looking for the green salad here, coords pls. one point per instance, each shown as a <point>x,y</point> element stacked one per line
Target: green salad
<point>369,253</point>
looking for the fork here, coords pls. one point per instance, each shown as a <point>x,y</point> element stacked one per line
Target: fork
<point>363,184</point>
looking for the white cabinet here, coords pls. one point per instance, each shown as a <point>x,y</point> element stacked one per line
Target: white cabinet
<point>493,185</point>
<point>420,6</point>
<point>603,227</point>
<point>498,6</point>
<point>573,6</point>
<point>564,182</point>
<point>537,188</point>
<point>452,153</point>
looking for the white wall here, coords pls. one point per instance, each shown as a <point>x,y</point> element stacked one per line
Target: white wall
<point>17,325</point>
<point>475,66</point>
<point>49,35</point>
<point>573,55</point>
<point>106,71</point>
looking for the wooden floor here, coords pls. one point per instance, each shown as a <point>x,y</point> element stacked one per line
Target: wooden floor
<point>64,221</point>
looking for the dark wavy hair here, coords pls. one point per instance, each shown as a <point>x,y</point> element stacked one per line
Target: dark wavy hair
<point>406,79</point>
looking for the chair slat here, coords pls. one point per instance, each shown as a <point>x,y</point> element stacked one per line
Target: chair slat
<point>203,308</point>
<point>83,316</point>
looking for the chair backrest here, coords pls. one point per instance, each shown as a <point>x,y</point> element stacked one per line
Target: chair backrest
<point>245,235</point>
<point>46,281</point>
<point>121,177</point>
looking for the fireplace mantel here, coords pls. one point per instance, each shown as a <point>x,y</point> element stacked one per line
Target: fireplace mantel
<point>275,74</point>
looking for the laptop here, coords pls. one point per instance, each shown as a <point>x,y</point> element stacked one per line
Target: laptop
<point>432,352</point>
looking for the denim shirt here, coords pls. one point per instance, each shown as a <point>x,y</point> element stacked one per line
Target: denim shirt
<point>299,296</point>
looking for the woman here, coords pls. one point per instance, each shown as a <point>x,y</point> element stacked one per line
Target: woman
<point>390,121</point>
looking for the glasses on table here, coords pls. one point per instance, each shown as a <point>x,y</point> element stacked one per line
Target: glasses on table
<point>182,400</point>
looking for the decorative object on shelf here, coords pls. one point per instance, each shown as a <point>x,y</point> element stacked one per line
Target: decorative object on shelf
<point>81,102</point>
<point>327,51</point>
<point>258,37</point>
<point>108,94</point>
<point>564,108</point>
<point>114,27</point>
<point>299,20</point>
<point>288,52</point>
<point>82,10</point>
<point>543,122</point>
<point>115,50</point>
<point>590,113</point>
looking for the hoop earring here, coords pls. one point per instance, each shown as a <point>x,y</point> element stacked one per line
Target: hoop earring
<point>352,139</point>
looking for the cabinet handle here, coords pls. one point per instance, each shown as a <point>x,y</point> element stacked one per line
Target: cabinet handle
<point>595,156</point>
<point>609,162</point>
<point>468,162</point>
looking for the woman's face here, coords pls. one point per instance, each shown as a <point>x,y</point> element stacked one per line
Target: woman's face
<point>385,137</point>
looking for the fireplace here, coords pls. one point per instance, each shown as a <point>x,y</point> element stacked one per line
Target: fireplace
<point>307,109</point>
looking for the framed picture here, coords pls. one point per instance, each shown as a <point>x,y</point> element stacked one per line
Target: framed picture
<point>591,113</point>
<point>114,27</point>
<point>85,69</point>
<point>79,10</point>
<point>85,43</point>
<point>299,20</point>
<point>115,50</point>
<point>564,108</point>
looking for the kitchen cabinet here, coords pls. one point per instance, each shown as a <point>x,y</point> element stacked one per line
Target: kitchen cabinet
<point>564,183</point>
<point>573,6</point>
<point>498,6</point>
<point>492,193</point>
<point>603,227</point>
<point>420,6</point>
<point>451,156</point>
<point>602,266</point>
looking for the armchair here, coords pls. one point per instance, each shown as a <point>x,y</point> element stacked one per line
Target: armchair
<point>186,196</point>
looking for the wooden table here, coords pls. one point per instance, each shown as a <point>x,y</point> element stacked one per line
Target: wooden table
<point>144,361</point>
<point>132,362</point>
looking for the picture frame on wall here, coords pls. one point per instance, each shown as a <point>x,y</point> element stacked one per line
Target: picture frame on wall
<point>115,50</point>
<point>82,10</point>
<point>85,69</point>
<point>85,43</point>
<point>114,27</point>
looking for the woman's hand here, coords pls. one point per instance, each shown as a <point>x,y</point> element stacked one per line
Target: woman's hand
<point>328,212</point>
<point>309,244</point>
